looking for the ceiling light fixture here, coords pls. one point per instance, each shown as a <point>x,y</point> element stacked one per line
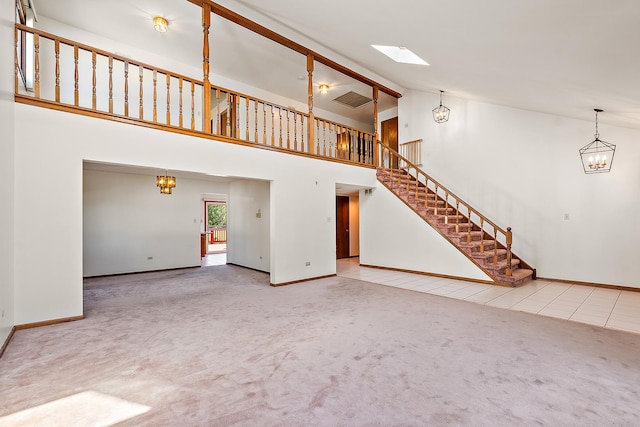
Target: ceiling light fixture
<point>160,24</point>
<point>400,54</point>
<point>323,88</point>
<point>594,155</point>
<point>441,113</point>
<point>165,182</point>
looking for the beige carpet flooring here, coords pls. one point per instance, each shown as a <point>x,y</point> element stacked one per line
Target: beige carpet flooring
<point>218,346</point>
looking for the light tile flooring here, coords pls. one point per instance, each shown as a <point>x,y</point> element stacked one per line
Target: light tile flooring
<point>586,304</point>
<point>210,260</point>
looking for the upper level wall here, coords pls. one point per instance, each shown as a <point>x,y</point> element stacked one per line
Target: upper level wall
<point>522,169</point>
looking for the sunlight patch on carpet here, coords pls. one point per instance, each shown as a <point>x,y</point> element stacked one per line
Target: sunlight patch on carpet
<point>89,408</point>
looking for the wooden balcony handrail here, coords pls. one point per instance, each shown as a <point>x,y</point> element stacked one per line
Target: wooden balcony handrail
<point>143,91</point>
<point>104,53</point>
<point>259,100</point>
<point>415,141</point>
<point>340,125</point>
<point>440,186</point>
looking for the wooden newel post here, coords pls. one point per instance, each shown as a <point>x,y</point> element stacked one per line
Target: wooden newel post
<point>375,127</point>
<point>509,240</point>
<point>206,85</point>
<point>311,123</point>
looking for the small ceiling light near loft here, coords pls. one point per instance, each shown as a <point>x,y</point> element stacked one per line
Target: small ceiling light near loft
<point>594,155</point>
<point>165,182</point>
<point>441,113</point>
<point>400,54</point>
<point>323,88</point>
<point>160,24</point>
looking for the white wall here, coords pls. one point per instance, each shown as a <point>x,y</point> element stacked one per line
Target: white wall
<point>522,169</point>
<point>126,220</point>
<point>300,232</point>
<point>6,169</point>
<point>392,235</point>
<point>248,224</point>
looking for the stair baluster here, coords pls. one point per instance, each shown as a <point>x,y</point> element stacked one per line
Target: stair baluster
<point>446,208</point>
<point>481,235</point>
<point>457,217</point>
<point>495,247</point>
<point>435,201</point>
<point>470,227</point>
<point>426,194</point>
<point>509,239</point>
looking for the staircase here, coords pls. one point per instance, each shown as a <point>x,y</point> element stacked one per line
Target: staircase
<point>445,216</point>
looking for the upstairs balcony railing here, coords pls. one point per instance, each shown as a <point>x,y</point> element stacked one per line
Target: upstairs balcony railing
<point>74,77</point>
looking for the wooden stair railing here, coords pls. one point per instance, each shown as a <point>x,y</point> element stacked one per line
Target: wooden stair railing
<point>83,79</point>
<point>412,150</point>
<point>480,239</point>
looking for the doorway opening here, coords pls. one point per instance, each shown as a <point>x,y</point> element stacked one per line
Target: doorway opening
<point>215,232</point>
<point>347,221</point>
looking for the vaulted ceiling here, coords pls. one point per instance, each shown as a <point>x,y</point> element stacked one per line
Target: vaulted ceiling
<point>560,57</point>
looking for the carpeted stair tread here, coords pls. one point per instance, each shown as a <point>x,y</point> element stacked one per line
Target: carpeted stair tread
<point>501,264</point>
<point>518,276</point>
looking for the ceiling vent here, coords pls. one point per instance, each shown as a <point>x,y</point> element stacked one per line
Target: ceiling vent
<point>352,99</point>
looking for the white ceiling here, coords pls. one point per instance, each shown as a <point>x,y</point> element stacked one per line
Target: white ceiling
<point>562,57</point>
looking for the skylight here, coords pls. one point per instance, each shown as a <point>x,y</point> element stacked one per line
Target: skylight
<point>400,54</point>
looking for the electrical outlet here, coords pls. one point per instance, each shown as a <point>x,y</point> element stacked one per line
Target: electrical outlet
<point>149,258</point>
<point>566,217</point>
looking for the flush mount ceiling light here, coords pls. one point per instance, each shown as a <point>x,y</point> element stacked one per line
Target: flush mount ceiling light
<point>400,54</point>
<point>441,113</point>
<point>160,24</point>
<point>165,182</point>
<point>323,88</point>
<point>594,155</point>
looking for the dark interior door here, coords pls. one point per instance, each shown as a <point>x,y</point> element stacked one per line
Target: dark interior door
<point>390,136</point>
<point>342,227</point>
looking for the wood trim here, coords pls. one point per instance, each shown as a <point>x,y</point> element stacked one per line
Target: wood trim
<point>6,342</point>
<point>206,85</point>
<point>597,285</point>
<point>48,322</point>
<point>248,268</point>
<point>276,285</point>
<point>280,39</point>
<point>24,99</point>
<point>444,276</point>
<point>141,272</point>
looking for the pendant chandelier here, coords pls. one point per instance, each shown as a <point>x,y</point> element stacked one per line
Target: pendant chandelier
<point>165,182</point>
<point>441,113</point>
<point>597,156</point>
